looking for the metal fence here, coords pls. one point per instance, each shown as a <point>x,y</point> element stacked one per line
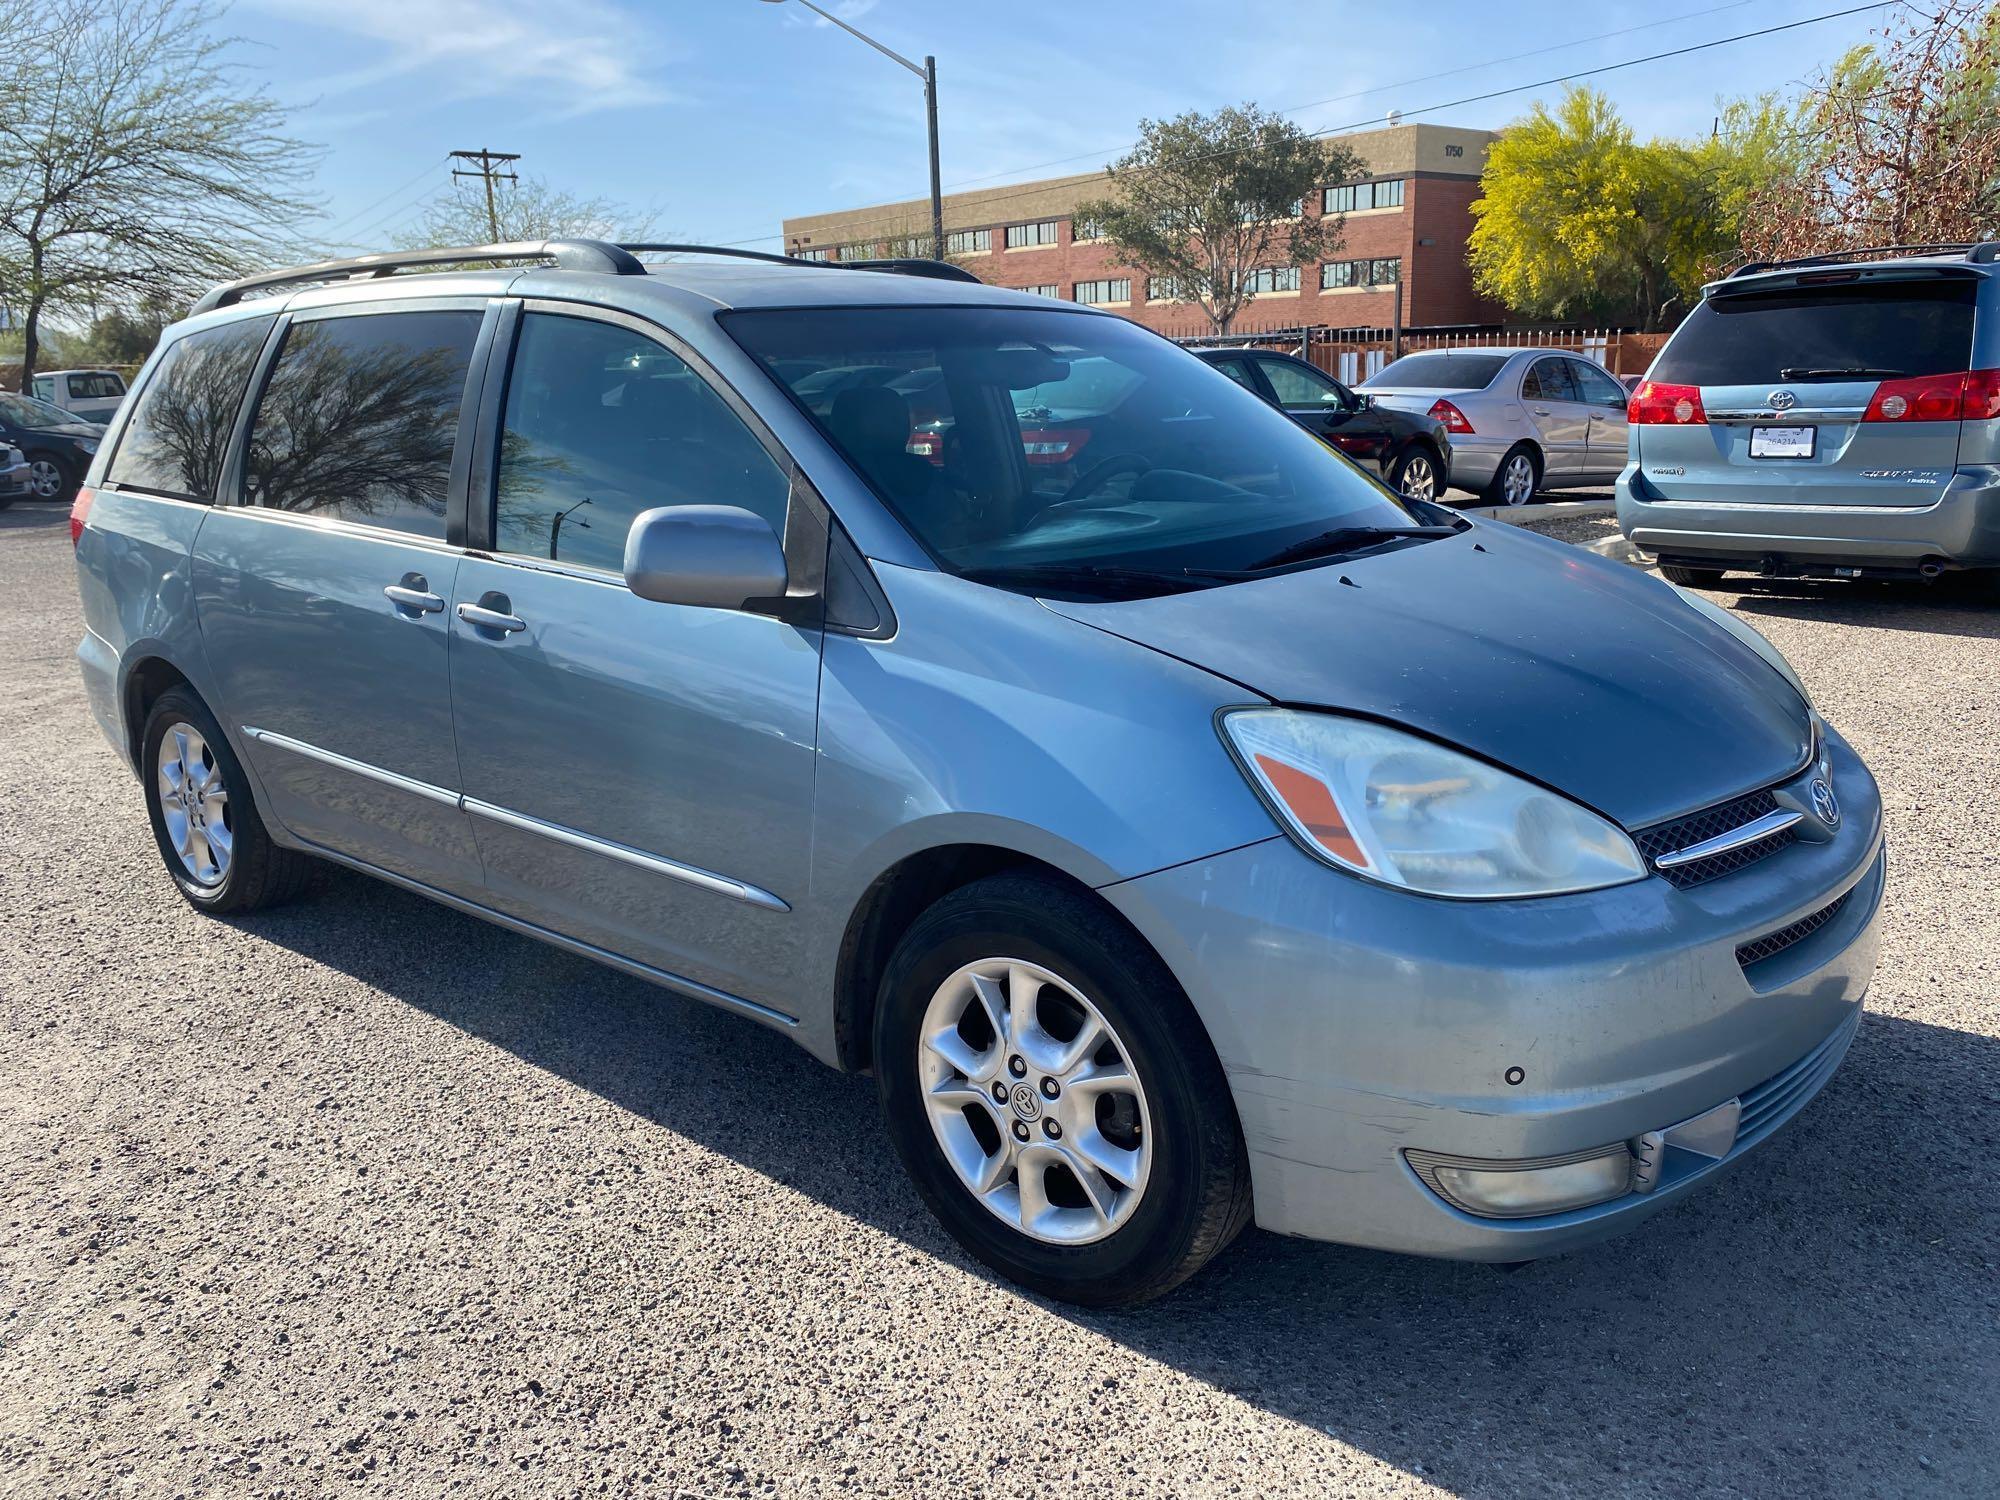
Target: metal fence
<point>1353,354</point>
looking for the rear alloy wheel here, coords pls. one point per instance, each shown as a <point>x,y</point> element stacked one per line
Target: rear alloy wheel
<point>1691,578</point>
<point>1414,476</point>
<point>1054,1096</point>
<point>1515,481</point>
<point>48,478</point>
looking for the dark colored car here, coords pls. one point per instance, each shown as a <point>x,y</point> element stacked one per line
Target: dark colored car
<point>59,444</point>
<point>1412,452</point>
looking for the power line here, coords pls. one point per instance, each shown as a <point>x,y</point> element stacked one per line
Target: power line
<point>488,170</point>
<point>1633,62</point>
<point>425,171</point>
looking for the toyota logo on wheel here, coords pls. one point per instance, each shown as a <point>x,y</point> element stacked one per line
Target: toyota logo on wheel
<point>1782,400</point>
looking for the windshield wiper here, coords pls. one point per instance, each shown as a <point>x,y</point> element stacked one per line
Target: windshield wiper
<point>1093,575</point>
<point>1836,372</point>
<point>1345,539</point>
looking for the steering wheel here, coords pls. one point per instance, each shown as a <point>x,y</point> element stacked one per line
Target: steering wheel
<point>1093,478</point>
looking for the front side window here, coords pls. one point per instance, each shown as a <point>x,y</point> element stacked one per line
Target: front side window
<point>1295,384</point>
<point>179,431</point>
<point>1036,449</point>
<point>1027,236</point>
<point>1095,292</point>
<point>603,423</point>
<point>358,419</point>
<point>1596,387</point>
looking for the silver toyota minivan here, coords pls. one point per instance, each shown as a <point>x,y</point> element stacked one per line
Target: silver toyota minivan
<point>1183,828</point>
<point>1832,417</point>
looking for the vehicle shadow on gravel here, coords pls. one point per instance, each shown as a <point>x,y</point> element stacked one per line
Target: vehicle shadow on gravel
<point>1954,606</point>
<point>1824,1319</point>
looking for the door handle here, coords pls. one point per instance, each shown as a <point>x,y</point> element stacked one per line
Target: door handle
<point>491,619</point>
<point>421,600</point>
<point>1597,416</point>
<point>1541,411</point>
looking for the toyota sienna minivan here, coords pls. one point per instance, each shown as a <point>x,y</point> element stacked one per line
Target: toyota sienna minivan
<point>1183,828</point>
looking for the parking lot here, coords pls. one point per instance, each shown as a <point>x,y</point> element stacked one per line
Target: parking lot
<point>365,1191</point>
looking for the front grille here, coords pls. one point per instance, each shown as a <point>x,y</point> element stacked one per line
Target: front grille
<point>1773,943</point>
<point>1713,822</point>
<point>1776,1100</point>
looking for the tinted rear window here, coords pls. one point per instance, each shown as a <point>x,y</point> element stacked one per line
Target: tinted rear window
<point>1909,327</point>
<point>175,442</point>
<point>1441,372</point>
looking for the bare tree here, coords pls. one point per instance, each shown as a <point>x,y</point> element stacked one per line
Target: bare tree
<point>1207,201</point>
<point>133,162</point>
<point>531,209</point>
<point>1904,142</point>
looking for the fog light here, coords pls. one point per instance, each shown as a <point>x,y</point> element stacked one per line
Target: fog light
<point>1530,1187</point>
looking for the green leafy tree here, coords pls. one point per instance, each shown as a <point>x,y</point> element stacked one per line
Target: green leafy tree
<point>1899,142</point>
<point>134,161</point>
<point>1205,201</point>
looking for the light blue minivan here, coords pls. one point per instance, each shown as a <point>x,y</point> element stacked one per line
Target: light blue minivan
<point>1182,827</point>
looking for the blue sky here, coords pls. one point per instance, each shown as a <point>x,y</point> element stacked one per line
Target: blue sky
<point>720,117</point>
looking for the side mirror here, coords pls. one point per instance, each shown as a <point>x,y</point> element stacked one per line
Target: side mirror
<point>713,556</point>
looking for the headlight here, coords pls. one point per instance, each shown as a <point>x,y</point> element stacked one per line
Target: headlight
<point>1410,813</point>
<point>1747,636</point>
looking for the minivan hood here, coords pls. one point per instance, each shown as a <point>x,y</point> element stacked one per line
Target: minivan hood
<point>1578,672</point>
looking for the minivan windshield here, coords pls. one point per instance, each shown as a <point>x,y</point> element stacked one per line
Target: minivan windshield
<point>1068,453</point>
<point>1443,371</point>
<point>1867,330</point>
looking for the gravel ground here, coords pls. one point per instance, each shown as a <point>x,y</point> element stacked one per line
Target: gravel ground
<point>365,1193</point>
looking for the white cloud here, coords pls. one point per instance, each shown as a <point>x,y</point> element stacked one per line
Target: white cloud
<point>574,59</point>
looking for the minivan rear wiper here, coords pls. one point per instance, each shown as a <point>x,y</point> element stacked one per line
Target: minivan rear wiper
<point>1344,539</point>
<point>1092,575</point>
<point>1836,372</point>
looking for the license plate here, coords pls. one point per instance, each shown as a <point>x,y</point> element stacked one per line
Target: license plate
<point>1782,442</point>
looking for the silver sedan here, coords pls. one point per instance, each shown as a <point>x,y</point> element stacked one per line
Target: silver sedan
<point>1520,420</point>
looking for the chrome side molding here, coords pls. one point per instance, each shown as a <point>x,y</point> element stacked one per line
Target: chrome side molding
<point>708,880</point>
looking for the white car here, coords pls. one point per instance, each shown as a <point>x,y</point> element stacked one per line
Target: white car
<point>1520,420</point>
<point>92,395</point>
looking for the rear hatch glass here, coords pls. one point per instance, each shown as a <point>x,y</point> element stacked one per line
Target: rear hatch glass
<point>1806,360</point>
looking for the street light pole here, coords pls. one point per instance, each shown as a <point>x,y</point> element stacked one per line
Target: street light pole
<point>928,72</point>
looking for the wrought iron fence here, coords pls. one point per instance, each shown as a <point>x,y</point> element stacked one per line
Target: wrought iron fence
<point>1353,354</point>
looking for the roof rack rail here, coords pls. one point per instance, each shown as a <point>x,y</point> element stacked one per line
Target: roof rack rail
<point>571,255</point>
<point>1977,252</point>
<point>904,265</point>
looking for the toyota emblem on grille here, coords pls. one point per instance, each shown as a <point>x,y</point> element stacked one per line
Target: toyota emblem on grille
<point>1782,400</point>
<point>1824,802</point>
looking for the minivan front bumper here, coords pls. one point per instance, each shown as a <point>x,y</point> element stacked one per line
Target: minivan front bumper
<point>1961,528</point>
<point>1358,1023</point>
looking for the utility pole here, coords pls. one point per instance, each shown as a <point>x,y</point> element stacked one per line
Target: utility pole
<point>488,170</point>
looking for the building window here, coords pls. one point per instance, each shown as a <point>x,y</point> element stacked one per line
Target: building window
<point>1359,197</point>
<point>1165,289</point>
<point>1272,279</point>
<point>1028,236</point>
<point>968,242</point>
<point>1043,289</point>
<point>821,253</point>
<point>1083,231</point>
<point>1093,292</point>
<point>1338,274</point>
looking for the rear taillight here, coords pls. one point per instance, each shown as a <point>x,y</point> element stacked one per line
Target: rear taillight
<point>1657,405</point>
<point>1971,397</point>
<point>1453,419</point>
<point>79,513</point>
<point>1053,445</point>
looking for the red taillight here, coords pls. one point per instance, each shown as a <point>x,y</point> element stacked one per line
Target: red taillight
<point>1453,419</point>
<point>926,443</point>
<point>1053,445</point>
<point>1657,405</point>
<point>1971,397</point>
<point>79,513</point>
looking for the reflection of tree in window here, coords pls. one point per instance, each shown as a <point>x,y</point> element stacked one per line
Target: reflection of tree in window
<point>359,419</point>
<point>176,440</point>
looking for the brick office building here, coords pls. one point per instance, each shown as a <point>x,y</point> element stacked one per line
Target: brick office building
<point>1407,217</point>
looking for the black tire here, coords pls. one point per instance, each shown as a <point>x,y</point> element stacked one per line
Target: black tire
<point>65,477</point>
<point>1197,1194</point>
<point>259,872</point>
<point>1495,492</point>
<point>1400,468</point>
<point>1691,578</point>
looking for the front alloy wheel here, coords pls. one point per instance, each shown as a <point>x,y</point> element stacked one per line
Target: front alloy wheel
<point>1417,478</point>
<point>46,479</point>
<point>1034,1102</point>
